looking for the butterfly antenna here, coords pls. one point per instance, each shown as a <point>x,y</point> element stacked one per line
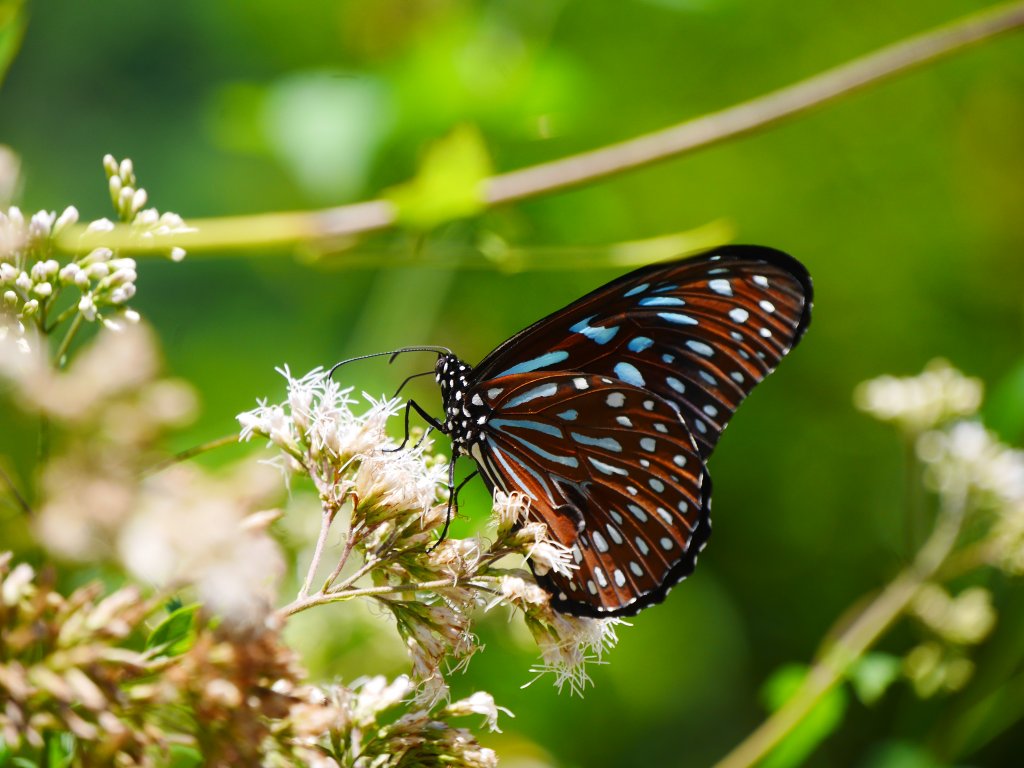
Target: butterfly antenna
<point>392,355</point>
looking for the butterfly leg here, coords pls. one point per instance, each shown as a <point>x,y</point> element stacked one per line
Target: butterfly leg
<point>453,502</point>
<point>431,421</point>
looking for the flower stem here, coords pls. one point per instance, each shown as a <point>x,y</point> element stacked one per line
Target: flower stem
<point>61,318</point>
<point>349,544</point>
<point>326,520</point>
<point>65,344</point>
<point>14,492</point>
<point>189,453</point>
<point>682,138</point>
<point>337,597</point>
<point>859,636</point>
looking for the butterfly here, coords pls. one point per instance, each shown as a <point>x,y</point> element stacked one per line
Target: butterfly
<point>605,413</point>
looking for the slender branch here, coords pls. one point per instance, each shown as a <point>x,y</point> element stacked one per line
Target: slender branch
<point>14,492</point>
<point>68,312</point>
<point>861,634</point>
<point>187,454</point>
<point>689,136</point>
<point>336,597</point>
<point>350,541</point>
<point>65,344</point>
<point>326,520</point>
<point>760,112</point>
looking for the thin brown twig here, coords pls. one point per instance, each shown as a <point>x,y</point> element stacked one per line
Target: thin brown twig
<point>689,136</point>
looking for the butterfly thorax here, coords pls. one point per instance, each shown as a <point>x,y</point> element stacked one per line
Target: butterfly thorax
<point>464,415</point>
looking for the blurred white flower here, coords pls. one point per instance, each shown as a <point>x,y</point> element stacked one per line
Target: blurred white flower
<point>968,458</point>
<point>187,529</point>
<point>966,619</point>
<point>916,403</point>
<point>376,695</point>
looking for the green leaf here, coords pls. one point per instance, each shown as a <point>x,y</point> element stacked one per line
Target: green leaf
<point>816,726</point>
<point>185,757</point>
<point>175,634</point>
<point>902,754</point>
<point>1004,411</point>
<point>872,675</point>
<point>60,750</point>
<point>5,753</point>
<point>449,184</point>
<point>13,20</point>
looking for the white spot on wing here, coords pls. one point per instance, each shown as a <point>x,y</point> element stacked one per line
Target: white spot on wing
<point>721,286</point>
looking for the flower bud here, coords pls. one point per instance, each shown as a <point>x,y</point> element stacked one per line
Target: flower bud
<point>87,307</point>
<point>66,219</point>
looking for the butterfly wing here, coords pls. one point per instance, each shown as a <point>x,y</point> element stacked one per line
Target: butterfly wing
<point>701,332</point>
<point>614,474</point>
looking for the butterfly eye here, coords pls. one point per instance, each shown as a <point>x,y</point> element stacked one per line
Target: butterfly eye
<point>604,414</point>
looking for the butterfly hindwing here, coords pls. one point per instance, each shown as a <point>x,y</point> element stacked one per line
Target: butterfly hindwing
<point>614,474</point>
<point>700,332</point>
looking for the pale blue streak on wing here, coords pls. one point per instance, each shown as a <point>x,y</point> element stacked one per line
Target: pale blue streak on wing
<point>548,429</point>
<point>543,361</point>
<point>675,317</point>
<point>629,374</point>
<point>607,469</point>
<point>639,344</point>
<point>569,415</point>
<point>639,289</point>
<point>608,443</point>
<point>598,333</point>
<point>662,301</point>
<point>567,461</point>
<point>536,476</point>
<point>544,390</point>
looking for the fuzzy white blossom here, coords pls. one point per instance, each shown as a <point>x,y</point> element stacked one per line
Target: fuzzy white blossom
<point>916,403</point>
<point>968,458</point>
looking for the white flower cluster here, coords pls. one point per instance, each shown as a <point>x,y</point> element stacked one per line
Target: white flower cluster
<point>365,725</point>
<point>38,289</point>
<point>979,481</point>
<point>130,200</point>
<point>398,505</point>
<point>939,394</point>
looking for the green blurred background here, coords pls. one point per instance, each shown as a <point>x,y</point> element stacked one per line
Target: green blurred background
<point>906,202</point>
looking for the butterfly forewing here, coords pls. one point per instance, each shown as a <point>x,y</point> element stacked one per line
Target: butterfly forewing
<point>701,332</point>
<point>614,474</point>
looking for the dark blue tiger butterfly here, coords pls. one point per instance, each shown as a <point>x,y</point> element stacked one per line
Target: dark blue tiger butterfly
<point>604,414</point>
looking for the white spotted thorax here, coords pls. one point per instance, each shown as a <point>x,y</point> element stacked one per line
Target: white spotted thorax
<point>463,418</point>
